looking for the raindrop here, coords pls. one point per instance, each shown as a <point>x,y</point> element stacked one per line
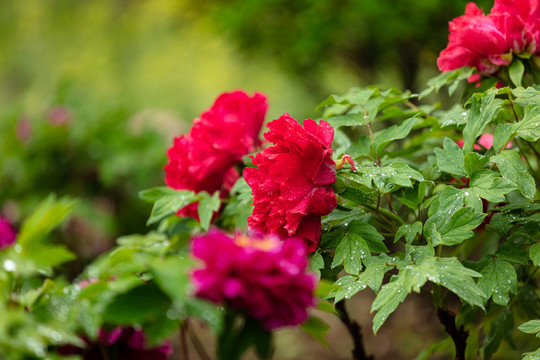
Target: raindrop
<point>10,265</point>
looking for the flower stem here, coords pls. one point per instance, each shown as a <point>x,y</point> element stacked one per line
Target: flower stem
<point>359,353</point>
<point>199,347</point>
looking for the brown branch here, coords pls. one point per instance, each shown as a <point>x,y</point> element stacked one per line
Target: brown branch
<point>459,336</point>
<point>358,352</point>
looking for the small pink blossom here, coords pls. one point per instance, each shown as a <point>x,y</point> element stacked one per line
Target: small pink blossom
<point>292,184</point>
<point>263,276</point>
<point>7,234</point>
<point>486,140</point>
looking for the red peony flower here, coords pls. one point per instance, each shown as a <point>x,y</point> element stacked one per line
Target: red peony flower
<point>291,185</point>
<point>7,234</point>
<point>487,42</point>
<point>204,159</point>
<point>263,276</point>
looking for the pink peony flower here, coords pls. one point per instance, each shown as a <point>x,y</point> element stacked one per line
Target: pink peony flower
<point>7,234</point>
<point>487,42</point>
<point>205,159</point>
<point>263,276</point>
<point>291,185</point>
<point>486,140</point>
<point>126,343</point>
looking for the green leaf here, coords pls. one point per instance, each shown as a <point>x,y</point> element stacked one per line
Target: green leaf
<point>316,328</point>
<point>512,253</point>
<point>207,206</point>
<point>392,133</point>
<point>49,255</point>
<point>145,303</point>
<point>154,194</point>
<point>451,159</point>
<point>529,127</point>
<point>453,228</point>
<point>169,204</point>
<point>534,253</point>
<point>447,272</point>
<point>452,78</point>
<point>532,355</point>
<point>515,170</point>
<point>451,274</point>
<point>316,264</point>
<point>503,133</point>
<point>501,329</point>
<point>172,276</point>
<point>346,120</point>
<point>473,162</point>
<point>359,240</point>
<point>387,301</point>
<point>491,187</point>
<point>498,280</point>
<point>516,71</point>
<point>483,110</point>
<point>48,215</point>
<point>408,231</point>
<point>402,173</point>
<point>530,327</point>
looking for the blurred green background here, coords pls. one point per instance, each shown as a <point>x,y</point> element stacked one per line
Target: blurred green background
<point>92,93</point>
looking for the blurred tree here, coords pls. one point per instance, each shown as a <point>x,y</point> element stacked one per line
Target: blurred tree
<point>307,36</point>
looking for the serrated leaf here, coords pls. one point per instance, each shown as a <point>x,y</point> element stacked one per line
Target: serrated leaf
<point>515,170</point>
<point>408,231</point>
<point>516,71</point>
<point>208,205</point>
<point>403,173</point>
<point>491,187</point>
<point>484,107</point>
<point>394,132</point>
<point>350,252</point>
<point>451,274</point>
<point>529,127</point>
<point>453,228</point>
<point>347,286</point>
<point>498,280</point>
<point>450,159</point>
<point>387,301</point>
<point>447,272</point>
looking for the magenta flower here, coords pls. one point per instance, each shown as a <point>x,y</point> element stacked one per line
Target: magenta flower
<point>292,184</point>
<point>487,42</point>
<point>7,234</point>
<point>205,159</point>
<point>126,343</point>
<point>263,276</point>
